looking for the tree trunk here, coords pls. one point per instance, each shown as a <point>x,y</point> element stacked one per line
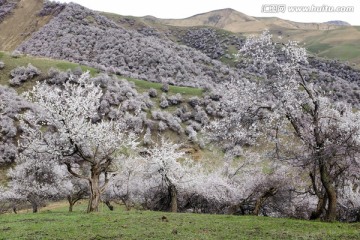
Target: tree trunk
<point>14,208</point>
<point>34,207</point>
<point>261,200</point>
<point>32,199</point>
<point>71,205</point>
<point>95,192</point>
<point>173,197</point>
<point>330,191</point>
<point>108,204</point>
<point>125,202</point>
<point>319,208</point>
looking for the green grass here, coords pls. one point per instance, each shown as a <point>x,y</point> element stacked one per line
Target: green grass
<point>318,47</point>
<point>136,224</point>
<point>342,52</point>
<point>43,64</point>
<point>143,85</point>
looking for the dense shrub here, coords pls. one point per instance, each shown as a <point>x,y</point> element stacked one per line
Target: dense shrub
<point>51,8</point>
<point>16,54</point>
<point>22,74</point>
<point>205,40</point>
<point>11,106</point>
<point>152,92</point>
<point>166,120</point>
<point>163,101</point>
<point>5,8</point>
<point>175,99</point>
<point>165,87</point>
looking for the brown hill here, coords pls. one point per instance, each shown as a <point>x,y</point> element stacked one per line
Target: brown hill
<point>234,21</point>
<point>21,23</point>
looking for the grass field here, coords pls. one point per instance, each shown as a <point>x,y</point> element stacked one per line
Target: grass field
<point>57,223</point>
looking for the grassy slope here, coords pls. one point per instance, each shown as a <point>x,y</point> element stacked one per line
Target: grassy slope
<point>44,64</point>
<point>57,223</point>
<point>342,43</point>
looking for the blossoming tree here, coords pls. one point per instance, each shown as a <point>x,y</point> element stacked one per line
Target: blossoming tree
<point>64,127</point>
<point>305,128</point>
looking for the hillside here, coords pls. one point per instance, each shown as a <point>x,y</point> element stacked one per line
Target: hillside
<point>340,41</point>
<point>80,35</point>
<point>27,21</point>
<point>326,40</point>
<point>144,48</point>
<point>185,111</point>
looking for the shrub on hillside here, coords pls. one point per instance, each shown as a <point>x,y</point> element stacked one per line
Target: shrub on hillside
<point>163,101</point>
<point>22,74</point>
<point>16,54</point>
<point>152,92</point>
<point>10,106</point>
<point>165,87</point>
<point>175,99</point>
<point>6,8</point>
<point>51,8</point>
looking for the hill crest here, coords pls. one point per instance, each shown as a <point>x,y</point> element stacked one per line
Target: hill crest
<point>235,21</point>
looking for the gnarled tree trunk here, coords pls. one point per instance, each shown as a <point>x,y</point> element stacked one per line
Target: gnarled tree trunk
<point>95,192</point>
<point>321,194</point>
<point>261,200</point>
<point>330,191</point>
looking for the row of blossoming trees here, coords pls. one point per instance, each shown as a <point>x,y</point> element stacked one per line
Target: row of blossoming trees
<point>289,151</point>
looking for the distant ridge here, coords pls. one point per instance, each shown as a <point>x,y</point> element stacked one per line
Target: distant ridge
<point>338,23</point>
<point>234,21</point>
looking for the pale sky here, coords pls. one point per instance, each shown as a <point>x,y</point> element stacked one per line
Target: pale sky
<point>256,8</point>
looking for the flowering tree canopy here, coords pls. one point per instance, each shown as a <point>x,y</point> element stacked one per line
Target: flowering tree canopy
<point>64,128</point>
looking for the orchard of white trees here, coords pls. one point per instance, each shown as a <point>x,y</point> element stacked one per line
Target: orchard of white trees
<point>288,150</point>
